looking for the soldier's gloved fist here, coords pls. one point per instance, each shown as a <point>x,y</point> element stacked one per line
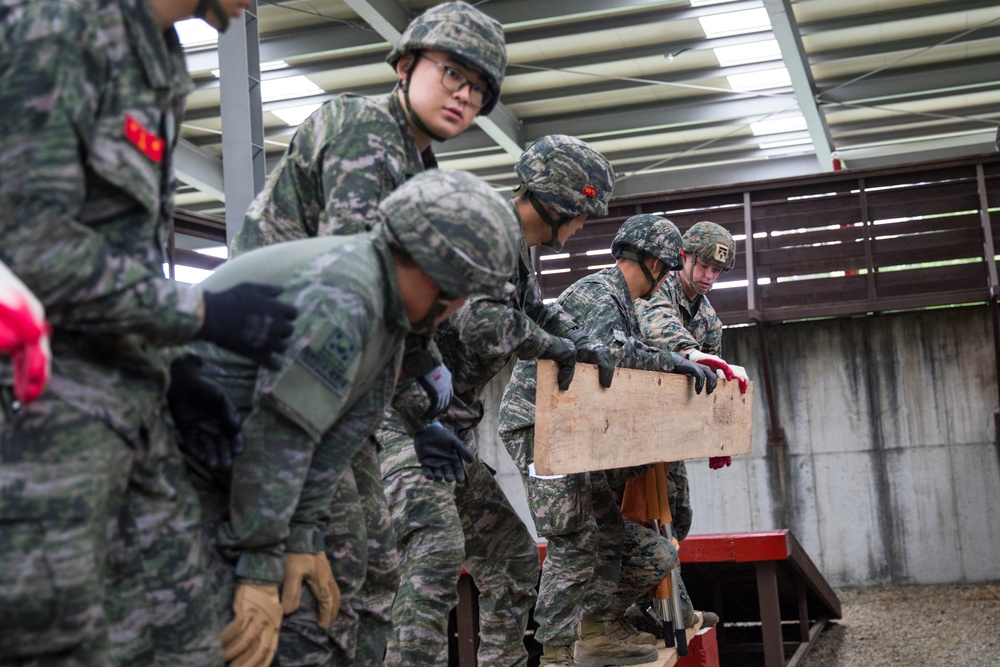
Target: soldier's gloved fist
<point>204,414</point>
<point>24,335</point>
<point>441,453</point>
<point>248,319</point>
<point>563,352</point>
<point>251,638</point>
<point>703,375</point>
<point>439,389</point>
<point>741,376</point>
<point>591,351</point>
<point>314,570</point>
<point>719,462</point>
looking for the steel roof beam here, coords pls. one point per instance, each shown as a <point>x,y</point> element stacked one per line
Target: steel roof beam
<point>797,63</point>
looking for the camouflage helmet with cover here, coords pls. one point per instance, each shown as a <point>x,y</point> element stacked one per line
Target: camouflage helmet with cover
<point>464,32</point>
<point>457,229</point>
<point>712,242</point>
<point>646,234</point>
<point>567,174</point>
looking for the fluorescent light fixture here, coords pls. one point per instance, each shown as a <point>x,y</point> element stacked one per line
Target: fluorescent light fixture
<point>783,144</point>
<point>778,126</point>
<point>598,267</point>
<point>753,52</point>
<point>187,274</point>
<point>287,88</point>
<point>772,78</point>
<point>704,3</point>
<point>295,116</point>
<point>547,272</point>
<point>561,255</point>
<point>602,251</point>
<point>220,251</point>
<point>735,23</point>
<point>195,32</point>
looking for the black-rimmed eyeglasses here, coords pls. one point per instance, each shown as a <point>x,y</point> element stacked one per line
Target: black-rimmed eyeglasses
<point>453,81</point>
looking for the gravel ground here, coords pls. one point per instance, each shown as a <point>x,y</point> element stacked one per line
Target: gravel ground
<point>955,625</point>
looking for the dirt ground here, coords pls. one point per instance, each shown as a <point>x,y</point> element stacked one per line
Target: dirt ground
<point>953,625</point>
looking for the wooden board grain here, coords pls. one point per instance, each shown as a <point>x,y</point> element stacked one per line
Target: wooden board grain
<point>644,417</point>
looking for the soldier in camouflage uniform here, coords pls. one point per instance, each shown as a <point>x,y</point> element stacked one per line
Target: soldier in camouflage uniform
<point>438,525</point>
<point>99,541</point>
<point>679,317</point>
<point>442,235</point>
<point>343,160</point>
<point>577,513</point>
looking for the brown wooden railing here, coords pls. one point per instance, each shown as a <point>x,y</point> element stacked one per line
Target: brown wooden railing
<point>838,244</point>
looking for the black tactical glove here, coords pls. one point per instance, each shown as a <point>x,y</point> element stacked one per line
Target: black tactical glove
<point>205,416</point>
<point>590,351</point>
<point>439,451</point>
<point>438,386</point>
<point>703,375</point>
<point>249,320</point>
<point>563,352</point>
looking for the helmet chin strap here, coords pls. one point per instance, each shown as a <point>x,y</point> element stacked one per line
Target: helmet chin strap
<point>653,282</point>
<point>204,6</point>
<point>414,116</point>
<point>554,223</point>
<point>426,324</point>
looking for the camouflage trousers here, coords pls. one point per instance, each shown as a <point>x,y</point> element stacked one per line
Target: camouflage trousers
<point>679,498</point>
<point>647,559</point>
<point>439,526</point>
<point>580,518</point>
<point>100,553</point>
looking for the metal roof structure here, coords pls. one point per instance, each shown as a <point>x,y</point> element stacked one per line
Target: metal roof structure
<point>676,93</point>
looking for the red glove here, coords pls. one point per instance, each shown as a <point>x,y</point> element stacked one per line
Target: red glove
<point>722,369</point>
<point>24,336</point>
<point>718,462</point>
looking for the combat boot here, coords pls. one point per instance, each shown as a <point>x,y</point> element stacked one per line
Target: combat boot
<point>623,630</point>
<point>603,650</point>
<point>558,656</point>
<point>709,619</point>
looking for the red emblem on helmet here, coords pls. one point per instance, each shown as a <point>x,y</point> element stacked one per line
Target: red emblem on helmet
<point>590,191</point>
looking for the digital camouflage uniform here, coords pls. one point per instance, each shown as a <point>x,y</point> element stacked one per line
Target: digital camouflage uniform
<point>440,526</point>
<point>671,320</point>
<point>305,422</point>
<point>577,513</point>
<point>348,156</point>
<point>99,548</point>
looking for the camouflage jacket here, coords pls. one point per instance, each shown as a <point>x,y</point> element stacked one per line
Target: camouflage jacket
<point>304,422</point>
<point>673,321</point>
<point>93,92</point>
<point>603,307</point>
<point>477,342</point>
<point>343,160</point>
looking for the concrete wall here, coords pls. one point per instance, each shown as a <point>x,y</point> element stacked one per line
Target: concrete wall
<point>890,474</point>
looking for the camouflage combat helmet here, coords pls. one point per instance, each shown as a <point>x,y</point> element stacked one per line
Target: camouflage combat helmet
<point>457,229</point>
<point>712,243</point>
<point>569,176</point>
<point>647,234</point>
<point>463,31</point>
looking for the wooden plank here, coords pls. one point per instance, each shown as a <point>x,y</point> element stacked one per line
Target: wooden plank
<point>644,417</point>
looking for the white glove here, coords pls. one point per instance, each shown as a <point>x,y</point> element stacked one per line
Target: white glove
<point>723,369</point>
<point>24,336</point>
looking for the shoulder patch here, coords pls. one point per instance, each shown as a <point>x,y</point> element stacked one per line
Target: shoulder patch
<point>331,360</point>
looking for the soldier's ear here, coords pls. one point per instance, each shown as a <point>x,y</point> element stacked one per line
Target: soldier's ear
<point>403,65</point>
